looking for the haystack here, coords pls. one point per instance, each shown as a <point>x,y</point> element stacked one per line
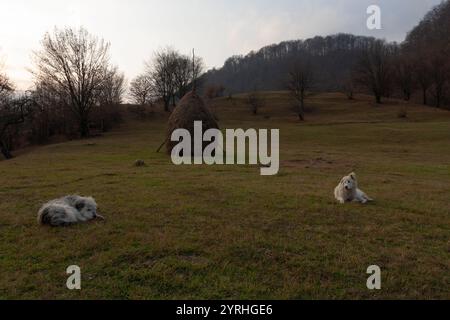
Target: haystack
<point>191,108</point>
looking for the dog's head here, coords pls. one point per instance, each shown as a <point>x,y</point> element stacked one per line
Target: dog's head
<point>349,182</point>
<point>87,207</point>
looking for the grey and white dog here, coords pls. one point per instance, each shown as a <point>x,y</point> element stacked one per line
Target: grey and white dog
<point>348,191</point>
<point>68,210</point>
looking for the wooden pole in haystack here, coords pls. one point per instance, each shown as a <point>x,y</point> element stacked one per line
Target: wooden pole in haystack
<point>194,76</point>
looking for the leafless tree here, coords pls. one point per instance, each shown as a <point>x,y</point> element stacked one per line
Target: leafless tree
<point>75,65</point>
<point>374,69</point>
<point>113,89</point>
<point>301,79</point>
<point>46,109</point>
<point>5,86</point>
<point>162,72</point>
<point>5,96</point>
<point>440,69</point>
<point>348,86</point>
<point>428,43</point>
<point>172,74</point>
<point>141,89</point>
<point>423,76</point>
<point>105,112</point>
<point>186,71</point>
<point>404,74</point>
<point>255,101</point>
<point>13,111</point>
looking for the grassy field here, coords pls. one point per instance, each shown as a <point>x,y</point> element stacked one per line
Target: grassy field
<point>225,232</point>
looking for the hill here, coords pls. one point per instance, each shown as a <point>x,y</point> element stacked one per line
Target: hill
<point>225,232</point>
<point>331,58</point>
<point>419,65</point>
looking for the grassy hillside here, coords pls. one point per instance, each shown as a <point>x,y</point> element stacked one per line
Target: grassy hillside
<point>227,232</point>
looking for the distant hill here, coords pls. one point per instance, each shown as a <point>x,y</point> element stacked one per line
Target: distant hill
<point>433,30</point>
<point>331,57</point>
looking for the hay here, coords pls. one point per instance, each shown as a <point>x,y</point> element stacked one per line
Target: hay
<point>191,108</point>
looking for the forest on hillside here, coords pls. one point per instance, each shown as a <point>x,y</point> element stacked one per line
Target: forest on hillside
<point>331,58</point>
<point>421,64</point>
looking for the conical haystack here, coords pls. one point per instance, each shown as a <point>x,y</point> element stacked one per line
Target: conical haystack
<point>191,108</point>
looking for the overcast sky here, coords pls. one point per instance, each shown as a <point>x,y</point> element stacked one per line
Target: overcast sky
<point>217,29</point>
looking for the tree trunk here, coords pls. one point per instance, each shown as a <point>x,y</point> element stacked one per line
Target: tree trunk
<point>378,98</point>
<point>301,117</point>
<point>438,96</point>
<point>5,150</point>
<point>84,127</point>
<point>173,101</point>
<point>425,100</point>
<point>301,109</point>
<point>350,95</point>
<point>406,95</point>
<point>166,104</point>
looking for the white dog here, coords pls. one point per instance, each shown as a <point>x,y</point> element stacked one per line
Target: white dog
<point>68,210</point>
<point>347,191</point>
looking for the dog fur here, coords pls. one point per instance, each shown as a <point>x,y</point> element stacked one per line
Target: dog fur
<point>68,210</point>
<point>348,191</point>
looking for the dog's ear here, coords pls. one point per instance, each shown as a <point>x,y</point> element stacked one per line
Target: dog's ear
<point>353,176</point>
<point>79,205</point>
<point>91,201</point>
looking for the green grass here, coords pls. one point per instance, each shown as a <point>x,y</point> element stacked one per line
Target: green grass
<point>225,232</point>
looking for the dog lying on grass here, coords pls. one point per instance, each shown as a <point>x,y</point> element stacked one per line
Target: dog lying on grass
<point>68,210</point>
<point>348,191</point>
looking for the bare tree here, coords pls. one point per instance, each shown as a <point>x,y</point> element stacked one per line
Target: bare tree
<point>428,43</point>
<point>440,69</point>
<point>45,111</point>
<point>75,65</point>
<point>348,85</point>
<point>422,75</point>
<point>105,112</point>
<point>186,72</point>
<point>5,86</point>
<point>6,90</point>
<point>255,101</point>
<point>172,74</point>
<point>162,72</point>
<point>301,79</point>
<point>13,111</point>
<point>113,89</point>
<point>404,75</point>
<point>141,89</point>
<point>374,69</point>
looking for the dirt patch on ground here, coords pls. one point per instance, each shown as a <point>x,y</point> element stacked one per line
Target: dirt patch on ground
<point>319,162</point>
<point>192,259</point>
